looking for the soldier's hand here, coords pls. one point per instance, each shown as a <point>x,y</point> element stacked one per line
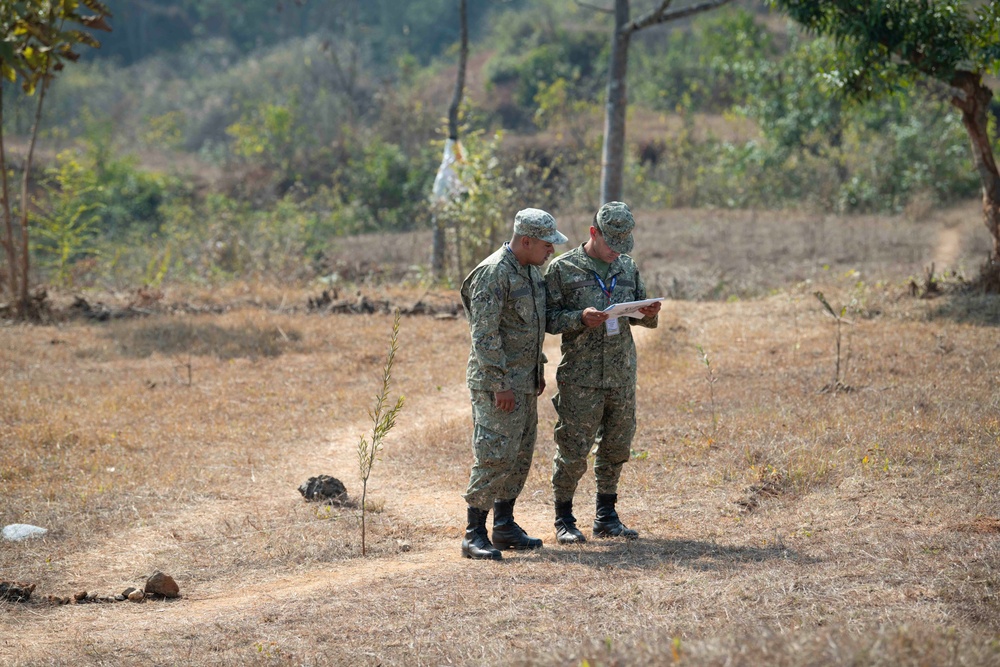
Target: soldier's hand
<point>594,318</point>
<point>504,400</point>
<point>651,309</point>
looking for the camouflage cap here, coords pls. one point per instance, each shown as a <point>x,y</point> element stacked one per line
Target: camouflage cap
<point>537,224</point>
<point>615,222</point>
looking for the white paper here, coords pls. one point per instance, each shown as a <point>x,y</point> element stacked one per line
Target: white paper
<point>630,308</point>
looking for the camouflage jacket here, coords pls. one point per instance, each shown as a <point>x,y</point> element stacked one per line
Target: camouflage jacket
<point>505,304</point>
<point>590,357</point>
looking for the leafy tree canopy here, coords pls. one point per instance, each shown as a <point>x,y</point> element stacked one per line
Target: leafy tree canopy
<point>888,42</point>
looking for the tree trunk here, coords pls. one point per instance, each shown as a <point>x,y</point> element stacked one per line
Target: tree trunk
<point>438,244</point>
<point>8,217</point>
<point>974,103</point>
<point>613,151</point>
<point>24,307</point>
<point>463,59</point>
<point>437,249</point>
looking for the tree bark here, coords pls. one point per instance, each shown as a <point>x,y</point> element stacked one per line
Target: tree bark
<point>973,100</point>
<point>8,217</point>
<point>613,150</point>
<point>463,59</point>
<point>24,300</point>
<point>438,243</point>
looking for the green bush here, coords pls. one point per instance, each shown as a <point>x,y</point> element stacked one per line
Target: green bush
<point>387,188</point>
<point>65,223</point>
<point>533,55</point>
<point>218,239</point>
<point>479,219</point>
<point>697,68</point>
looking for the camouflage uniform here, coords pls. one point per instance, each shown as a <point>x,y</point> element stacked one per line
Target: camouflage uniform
<point>505,304</point>
<point>597,375</point>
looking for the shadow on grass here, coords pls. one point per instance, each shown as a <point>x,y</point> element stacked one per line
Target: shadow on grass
<point>648,553</point>
<point>968,307</point>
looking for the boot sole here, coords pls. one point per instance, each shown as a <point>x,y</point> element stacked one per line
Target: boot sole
<point>571,538</point>
<point>467,554</point>
<point>515,547</point>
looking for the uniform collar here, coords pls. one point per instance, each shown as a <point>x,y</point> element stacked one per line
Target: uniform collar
<point>613,268</point>
<point>508,256</point>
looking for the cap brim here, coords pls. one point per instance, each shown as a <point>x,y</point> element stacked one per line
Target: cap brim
<point>555,238</point>
<point>622,246</point>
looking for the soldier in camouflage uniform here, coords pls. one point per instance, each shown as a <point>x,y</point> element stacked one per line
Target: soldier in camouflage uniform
<point>597,375</point>
<point>504,299</point>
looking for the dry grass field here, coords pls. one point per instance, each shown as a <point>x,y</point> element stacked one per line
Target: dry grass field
<point>781,523</point>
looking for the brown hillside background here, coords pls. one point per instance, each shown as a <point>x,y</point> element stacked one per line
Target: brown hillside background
<point>781,522</point>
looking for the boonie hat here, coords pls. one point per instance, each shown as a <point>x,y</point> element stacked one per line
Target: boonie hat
<point>616,223</point>
<point>538,224</point>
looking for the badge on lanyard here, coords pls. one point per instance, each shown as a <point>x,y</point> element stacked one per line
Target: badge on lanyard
<point>610,325</point>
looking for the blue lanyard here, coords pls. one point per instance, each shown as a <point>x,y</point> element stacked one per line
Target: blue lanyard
<point>604,288</point>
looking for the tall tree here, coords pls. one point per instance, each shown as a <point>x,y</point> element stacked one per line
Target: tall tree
<point>890,44</point>
<point>613,150</point>
<point>38,37</point>
<point>444,183</point>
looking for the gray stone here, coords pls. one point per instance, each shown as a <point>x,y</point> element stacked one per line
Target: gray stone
<point>16,532</point>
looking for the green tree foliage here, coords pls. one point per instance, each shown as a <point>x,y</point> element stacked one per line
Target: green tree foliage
<point>889,44</point>
<point>388,186</point>
<point>37,39</point>
<point>570,117</point>
<point>699,68</point>
<point>67,224</point>
<point>881,154</point>
<point>536,52</point>
<point>128,199</point>
<point>791,102</point>
<point>219,238</point>
<point>570,58</point>
<point>270,135</point>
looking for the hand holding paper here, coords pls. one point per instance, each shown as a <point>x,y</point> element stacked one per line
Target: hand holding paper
<point>630,308</point>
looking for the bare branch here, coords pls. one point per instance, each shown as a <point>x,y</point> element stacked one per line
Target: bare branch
<point>661,15</point>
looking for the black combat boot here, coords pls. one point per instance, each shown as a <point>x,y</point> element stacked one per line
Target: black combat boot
<point>566,530</point>
<point>506,533</point>
<point>607,523</point>
<point>477,542</point>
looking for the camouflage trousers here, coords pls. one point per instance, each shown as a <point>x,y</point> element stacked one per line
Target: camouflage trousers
<point>588,415</point>
<point>502,445</point>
